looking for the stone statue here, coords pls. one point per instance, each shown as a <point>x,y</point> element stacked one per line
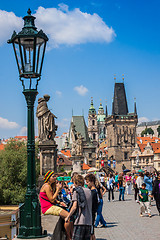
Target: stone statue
<point>46,120</point>
<point>79,146</point>
<point>77,142</point>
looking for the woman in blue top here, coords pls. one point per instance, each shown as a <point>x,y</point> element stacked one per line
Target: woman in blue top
<point>148,181</point>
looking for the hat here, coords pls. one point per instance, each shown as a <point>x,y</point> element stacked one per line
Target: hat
<point>48,175</point>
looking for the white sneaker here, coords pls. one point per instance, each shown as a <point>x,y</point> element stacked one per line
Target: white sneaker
<point>112,200</point>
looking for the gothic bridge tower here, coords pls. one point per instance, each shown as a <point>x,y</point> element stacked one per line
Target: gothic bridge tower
<point>121,129</point>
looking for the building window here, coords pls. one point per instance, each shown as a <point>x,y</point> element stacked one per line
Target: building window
<point>93,122</point>
<point>143,160</point>
<point>104,130</point>
<point>110,143</point>
<point>134,161</point>
<point>151,160</point>
<point>158,164</point>
<point>90,155</point>
<point>94,136</point>
<point>125,155</point>
<point>147,160</point>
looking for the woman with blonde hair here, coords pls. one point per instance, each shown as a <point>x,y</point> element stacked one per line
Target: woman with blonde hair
<point>101,191</point>
<point>49,203</point>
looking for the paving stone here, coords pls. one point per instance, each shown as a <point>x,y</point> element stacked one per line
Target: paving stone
<point>123,221</point>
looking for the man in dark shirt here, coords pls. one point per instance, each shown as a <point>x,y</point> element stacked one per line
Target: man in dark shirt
<point>156,191</point>
<point>90,182</point>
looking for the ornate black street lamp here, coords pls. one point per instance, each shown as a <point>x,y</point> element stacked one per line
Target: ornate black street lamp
<point>29,48</point>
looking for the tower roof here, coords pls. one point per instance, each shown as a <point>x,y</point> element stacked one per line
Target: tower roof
<point>101,116</point>
<point>92,109</point>
<point>100,107</point>
<point>120,106</point>
<point>80,126</point>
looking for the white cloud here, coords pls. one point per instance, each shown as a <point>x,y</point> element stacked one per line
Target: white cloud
<point>81,90</point>
<point>142,119</point>
<point>59,93</point>
<point>61,25</point>
<point>63,7</point>
<point>8,22</point>
<point>5,124</point>
<point>23,131</point>
<point>72,27</point>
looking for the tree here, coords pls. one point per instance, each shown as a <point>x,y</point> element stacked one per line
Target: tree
<point>147,131</point>
<point>158,130</point>
<point>13,172</point>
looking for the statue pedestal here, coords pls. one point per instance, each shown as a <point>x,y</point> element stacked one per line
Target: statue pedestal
<point>48,156</point>
<point>77,161</point>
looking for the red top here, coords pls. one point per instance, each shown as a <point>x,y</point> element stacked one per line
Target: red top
<point>45,203</point>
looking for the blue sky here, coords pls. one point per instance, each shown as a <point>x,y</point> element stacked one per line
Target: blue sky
<point>89,42</point>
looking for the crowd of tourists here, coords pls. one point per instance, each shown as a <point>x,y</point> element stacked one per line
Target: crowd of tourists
<point>79,199</point>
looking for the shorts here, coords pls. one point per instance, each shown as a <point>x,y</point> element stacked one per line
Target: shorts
<point>81,232</point>
<point>54,210</point>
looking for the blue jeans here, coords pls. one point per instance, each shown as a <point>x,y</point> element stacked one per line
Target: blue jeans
<point>121,193</point>
<point>99,214</point>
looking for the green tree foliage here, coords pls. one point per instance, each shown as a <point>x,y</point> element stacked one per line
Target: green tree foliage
<point>158,130</point>
<point>13,172</point>
<point>147,131</point>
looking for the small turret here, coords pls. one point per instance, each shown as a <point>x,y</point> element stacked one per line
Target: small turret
<point>92,109</point>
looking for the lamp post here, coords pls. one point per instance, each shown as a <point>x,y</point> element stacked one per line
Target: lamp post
<point>29,48</point>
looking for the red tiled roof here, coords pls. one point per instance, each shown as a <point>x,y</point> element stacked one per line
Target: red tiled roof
<point>66,153</point>
<point>157,151</point>
<point>62,160</point>
<point>1,146</point>
<point>147,139</point>
<point>142,146</point>
<point>21,137</point>
<point>85,166</point>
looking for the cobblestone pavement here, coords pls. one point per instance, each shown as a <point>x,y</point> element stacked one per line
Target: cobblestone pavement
<point>124,222</point>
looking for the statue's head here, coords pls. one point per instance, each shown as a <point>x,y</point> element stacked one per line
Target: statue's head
<point>40,100</point>
<point>46,97</point>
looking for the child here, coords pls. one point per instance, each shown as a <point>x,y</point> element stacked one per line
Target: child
<point>90,182</point>
<point>82,201</point>
<point>144,202</point>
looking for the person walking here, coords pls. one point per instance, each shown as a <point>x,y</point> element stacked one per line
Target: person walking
<point>148,182</point>
<point>90,182</point>
<point>144,203</point>
<point>140,180</point>
<point>136,190</point>
<point>121,182</point>
<point>102,179</point>
<point>128,183</point>
<point>82,203</point>
<point>101,191</point>
<point>156,192</point>
<point>116,181</point>
<point>110,187</point>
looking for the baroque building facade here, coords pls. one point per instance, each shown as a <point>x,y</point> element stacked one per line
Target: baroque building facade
<point>121,130</point>
<point>96,124</point>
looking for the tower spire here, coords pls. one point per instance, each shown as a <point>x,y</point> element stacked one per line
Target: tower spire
<point>135,107</point>
<point>119,106</point>
<point>106,109</point>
